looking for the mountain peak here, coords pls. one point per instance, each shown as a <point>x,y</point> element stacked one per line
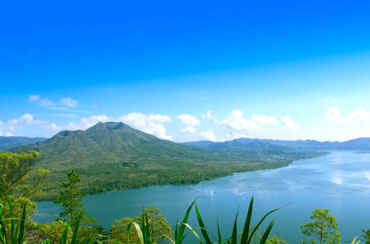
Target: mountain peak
<point>109,126</point>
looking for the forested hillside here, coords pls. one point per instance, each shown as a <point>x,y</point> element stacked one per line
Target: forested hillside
<point>111,156</point>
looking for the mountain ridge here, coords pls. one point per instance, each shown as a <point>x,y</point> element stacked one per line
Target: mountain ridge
<point>361,143</point>
<point>112,155</point>
<point>8,142</point>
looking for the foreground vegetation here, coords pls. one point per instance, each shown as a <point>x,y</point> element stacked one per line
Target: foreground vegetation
<point>74,226</point>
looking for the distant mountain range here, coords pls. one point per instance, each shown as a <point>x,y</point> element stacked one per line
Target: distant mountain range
<point>7,142</point>
<point>112,155</point>
<point>359,144</point>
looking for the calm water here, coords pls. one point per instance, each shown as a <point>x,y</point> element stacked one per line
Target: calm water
<point>339,181</point>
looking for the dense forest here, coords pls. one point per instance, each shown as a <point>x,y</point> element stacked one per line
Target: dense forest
<point>111,156</point>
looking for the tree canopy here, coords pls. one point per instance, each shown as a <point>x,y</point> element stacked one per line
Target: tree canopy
<point>324,226</point>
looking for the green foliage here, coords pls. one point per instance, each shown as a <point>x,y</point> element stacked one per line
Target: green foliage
<point>111,156</point>
<point>53,232</point>
<point>70,198</point>
<point>12,228</point>
<point>324,226</point>
<point>276,239</point>
<point>16,191</point>
<point>159,228</point>
<point>365,237</point>
<point>247,236</point>
<point>144,232</point>
<point>14,170</point>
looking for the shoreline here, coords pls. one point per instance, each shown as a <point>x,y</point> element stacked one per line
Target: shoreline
<point>319,154</point>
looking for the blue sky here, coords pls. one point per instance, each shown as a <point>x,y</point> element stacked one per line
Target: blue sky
<point>191,70</point>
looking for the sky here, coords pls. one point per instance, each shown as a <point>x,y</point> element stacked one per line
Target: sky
<point>187,70</point>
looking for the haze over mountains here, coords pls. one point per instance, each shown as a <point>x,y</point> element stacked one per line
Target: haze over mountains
<point>255,144</point>
<point>7,142</point>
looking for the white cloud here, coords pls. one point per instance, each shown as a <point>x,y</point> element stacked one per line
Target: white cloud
<point>53,126</point>
<point>264,119</point>
<point>333,115</point>
<point>189,129</point>
<point>69,102</point>
<point>26,119</point>
<point>208,115</point>
<point>159,118</point>
<point>87,122</point>
<point>46,102</point>
<point>189,120</point>
<point>209,135</point>
<point>148,123</point>
<point>288,122</point>
<point>15,126</point>
<point>357,115</point>
<point>236,121</point>
<point>360,114</point>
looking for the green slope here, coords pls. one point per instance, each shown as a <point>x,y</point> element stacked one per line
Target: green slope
<point>113,156</point>
<point>107,143</point>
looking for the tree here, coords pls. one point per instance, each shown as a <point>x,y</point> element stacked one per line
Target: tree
<point>159,228</point>
<point>15,168</point>
<point>16,185</point>
<point>70,198</point>
<point>366,236</point>
<point>273,238</point>
<point>19,185</point>
<point>324,226</point>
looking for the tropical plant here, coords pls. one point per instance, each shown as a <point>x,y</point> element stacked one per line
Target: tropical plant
<point>247,235</point>
<point>12,229</point>
<point>143,232</point>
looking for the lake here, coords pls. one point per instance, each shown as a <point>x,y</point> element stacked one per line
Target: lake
<point>339,181</point>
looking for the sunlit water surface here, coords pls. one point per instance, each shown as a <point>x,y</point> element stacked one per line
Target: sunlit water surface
<point>339,181</point>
